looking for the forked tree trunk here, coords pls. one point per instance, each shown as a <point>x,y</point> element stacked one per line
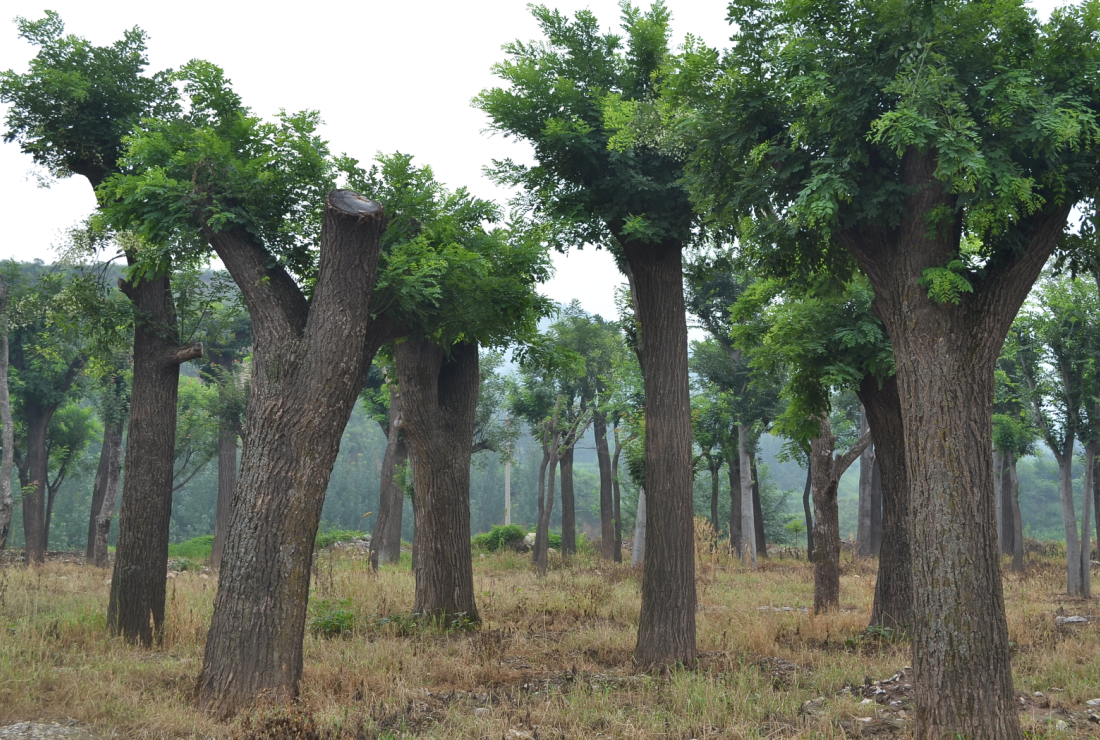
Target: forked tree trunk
<point>568,502</point>
<point>136,607</point>
<point>101,533</point>
<point>385,543</point>
<point>827,471</point>
<point>866,493</point>
<point>748,523</point>
<point>894,586</point>
<point>945,355</point>
<point>7,436</point>
<point>637,552</point>
<point>607,497</point>
<point>666,623</point>
<point>227,482</point>
<point>310,362</point>
<point>439,389</point>
<point>757,511</point>
<point>733,470</point>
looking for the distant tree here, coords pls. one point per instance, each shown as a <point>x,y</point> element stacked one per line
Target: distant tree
<point>8,440</point>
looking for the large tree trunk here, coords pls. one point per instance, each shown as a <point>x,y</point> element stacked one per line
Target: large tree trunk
<point>7,436</point>
<point>666,624</point>
<point>568,503</point>
<point>733,470</point>
<point>945,354</point>
<point>827,470</point>
<point>34,492</point>
<point>227,482</point>
<point>894,586</point>
<point>866,493</point>
<point>637,551</point>
<point>607,498</point>
<point>748,524</point>
<point>385,543</point>
<point>439,387</point>
<point>757,510</point>
<point>136,607</point>
<point>101,532</point>
<point>309,364</point>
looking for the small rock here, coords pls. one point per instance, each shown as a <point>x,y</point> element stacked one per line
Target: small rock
<point>1038,694</point>
<point>529,539</point>
<point>814,706</point>
<point>481,711</point>
<point>1070,620</point>
<point>1093,703</point>
<point>520,735</point>
<point>1061,725</point>
<point>866,719</point>
<point>866,701</point>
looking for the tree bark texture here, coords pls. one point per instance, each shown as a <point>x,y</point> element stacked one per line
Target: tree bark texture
<point>548,440</point>
<point>105,494</point>
<point>1003,489</point>
<point>999,474</point>
<point>136,607</point>
<point>733,470</point>
<point>568,501</point>
<point>945,354</point>
<point>1074,582</point>
<point>757,510</point>
<point>607,498</point>
<point>808,513</point>
<point>310,361</point>
<point>385,543</point>
<point>1084,563</point>
<point>876,508</point>
<point>227,483</point>
<point>748,524</point>
<point>894,586</point>
<point>438,405</point>
<point>827,470</point>
<point>617,491</point>
<point>866,473</point>
<point>1017,519</point>
<point>7,436</point>
<point>666,624</point>
<point>37,469</point>
<point>714,470</point>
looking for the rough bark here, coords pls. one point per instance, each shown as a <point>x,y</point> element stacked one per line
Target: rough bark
<point>136,607</point>
<point>894,585</point>
<point>808,513</point>
<point>607,497</point>
<point>757,510</point>
<point>547,440</point>
<point>1074,582</point>
<point>617,490</point>
<point>102,532</point>
<point>385,542</point>
<point>1084,563</point>
<point>309,364</point>
<point>733,469</point>
<point>999,473</point>
<point>666,624</point>
<point>227,482</point>
<point>827,470</point>
<point>1017,520</point>
<point>637,552</point>
<point>748,525</point>
<point>866,473</point>
<point>439,388</point>
<point>876,508</point>
<point>945,354</point>
<point>1004,491</point>
<point>36,465</point>
<point>7,440</point>
<point>568,501</point>
<point>714,464</point>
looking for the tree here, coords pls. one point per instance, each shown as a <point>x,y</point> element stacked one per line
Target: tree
<point>383,398</point>
<point>1055,338</point>
<point>8,443</point>
<point>633,204</point>
<point>889,132</point>
<point>260,196</point>
<point>71,112</point>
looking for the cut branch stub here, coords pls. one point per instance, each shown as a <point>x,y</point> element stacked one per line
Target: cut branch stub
<point>186,353</point>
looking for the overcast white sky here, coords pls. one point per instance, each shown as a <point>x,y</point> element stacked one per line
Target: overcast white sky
<point>385,76</point>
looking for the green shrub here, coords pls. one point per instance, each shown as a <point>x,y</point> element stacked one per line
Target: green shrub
<point>198,548</point>
<point>331,618</point>
<point>554,539</point>
<point>499,537</point>
<point>325,539</point>
<point>182,564</point>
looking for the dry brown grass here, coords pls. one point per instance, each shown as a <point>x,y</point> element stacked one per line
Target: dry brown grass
<point>552,658</point>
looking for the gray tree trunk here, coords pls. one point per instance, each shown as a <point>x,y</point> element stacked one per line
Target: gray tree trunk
<point>1074,586</point>
<point>637,552</point>
<point>866,493</point>
<point>748,525</point>
<point>999,496</point>
<point>1017,519</point>
<point>7,503</point>
<point>385,541</point>
<point>112,473</point>
<point>1086,520</point>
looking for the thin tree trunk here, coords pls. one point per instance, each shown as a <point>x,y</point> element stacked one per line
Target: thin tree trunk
<point>136,607</point>
<point>439,388</point>
<point>385,542</point>
<point>607,495</point>
<point>1095,506</point>
<point>876,508</point>
<point>998,497</point>
<point>866,471</point>
<point>227,482</point>
<point>666,622</point>
<point>714,487</point>
<point>827,471</point>
<point>733,469</point>
<point>34,493</point>
<point>894,586</point>
<point>99,484</point>
<point>808,514</point>
<point>7,502</point>
<point>310,362</point>
<point>1086,519</point>
<point>616,489</point>
<point>546,439</point>
<point>568,504</point>
<point>1069,519</point>
<point>748,525</point>
<point>637,552</point>
<point>1017,520</point>
<point>1005,493</point>
<point>757,510</point>
<point>542,534</point>
<point>102,533</point>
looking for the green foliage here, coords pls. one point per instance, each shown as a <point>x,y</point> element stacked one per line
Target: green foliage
<point>946,284</point>
<point>332,536</point>
<point>331,618</point>
<point>194,549</point>
<point>500,537</point>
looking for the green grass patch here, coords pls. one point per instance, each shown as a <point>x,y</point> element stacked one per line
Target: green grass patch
<point>198,548</point>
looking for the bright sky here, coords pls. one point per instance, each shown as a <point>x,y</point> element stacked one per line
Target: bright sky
<point>386,76</point>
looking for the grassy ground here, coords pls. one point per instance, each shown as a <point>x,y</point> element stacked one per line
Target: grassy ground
<point>552,658</point>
